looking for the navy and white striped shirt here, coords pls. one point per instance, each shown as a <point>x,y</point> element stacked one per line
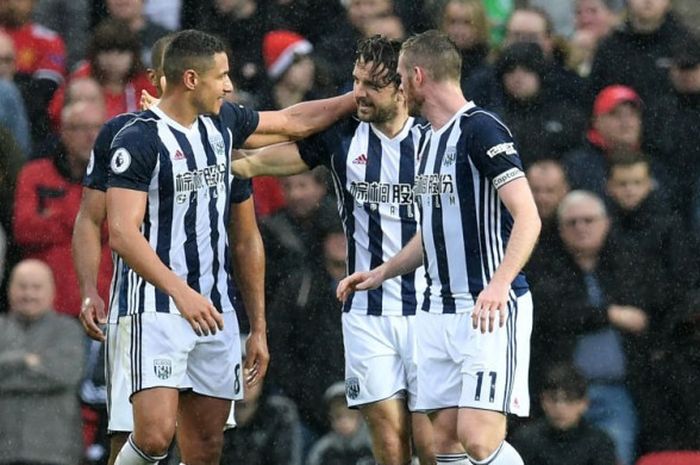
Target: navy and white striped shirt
<point>464,224</point>
<point>373,177</point>
<point>186,174</point>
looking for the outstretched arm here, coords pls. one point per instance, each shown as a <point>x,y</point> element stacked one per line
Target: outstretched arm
<point>275,160</point>
<point>407,260</point>
<point>305,118</point>
<point>87,250</point>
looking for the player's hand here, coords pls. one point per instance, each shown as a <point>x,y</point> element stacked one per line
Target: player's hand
<point>492,302</point>
<point>198,311</point>
<point>359,281</point>
<point>92,315</point>
<point>257,358</point>
<point>147,100</point>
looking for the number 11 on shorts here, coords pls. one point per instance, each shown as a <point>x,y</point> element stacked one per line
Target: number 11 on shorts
<point>479,382</point>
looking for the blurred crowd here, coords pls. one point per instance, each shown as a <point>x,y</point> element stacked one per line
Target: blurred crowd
<point>603,98</point>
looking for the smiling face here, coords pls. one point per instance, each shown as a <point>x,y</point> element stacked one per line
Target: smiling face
<point>212,86</point>
<point>377,100</point>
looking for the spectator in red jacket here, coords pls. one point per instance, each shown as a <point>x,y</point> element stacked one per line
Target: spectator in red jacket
<point>47,199</point>
<point>113,59</point>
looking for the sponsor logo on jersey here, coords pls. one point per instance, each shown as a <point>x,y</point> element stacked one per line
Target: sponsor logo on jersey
<point>381,192</point>
<point>178,155</point>
<point>433,184</point>
<point>360,160</point>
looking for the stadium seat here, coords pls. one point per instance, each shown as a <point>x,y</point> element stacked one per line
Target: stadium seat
<point>671,458</point>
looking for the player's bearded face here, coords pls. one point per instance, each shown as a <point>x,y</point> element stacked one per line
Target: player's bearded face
<point>413,100</point>
<point>377,100</point>
<point>214,85</point>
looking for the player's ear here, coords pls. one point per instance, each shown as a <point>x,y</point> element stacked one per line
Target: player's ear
<point>190,79</point>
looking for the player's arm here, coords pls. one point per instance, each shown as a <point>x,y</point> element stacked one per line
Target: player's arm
<point>256,141</point>
<point>87,251</point>
<point>517,198</point>
<point>249,272</point>
<point>276,160</point>
<point>305,118</point>
<point>406,261</point>
<point>126,209</point>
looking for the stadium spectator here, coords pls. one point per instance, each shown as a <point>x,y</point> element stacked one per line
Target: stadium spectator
<point>113,60</point>
<point>304,327</point>
<point>638,54</point>
<point>13,114</point>
<point>242,25</point>
<point>563,436</point>
<point>543,125</point>
<point>40,60</point>
<point>607,292</point>
<point>41,360</point>
<point>146,31</point>
<point>268,430</point>
<point>389,26</point>
<point>465,23</point>
<point>616,124</point>
<point>47,200</point>
<point>293,235</point>
<point>594,20</point>
<point>71,20</point>
<point>348,442</point>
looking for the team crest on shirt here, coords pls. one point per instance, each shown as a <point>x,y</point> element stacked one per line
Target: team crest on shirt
<point>163,368</point>
<point>352,388</point>
<point>121,160</point>
<point>450,156</point>
<point>217,143</point>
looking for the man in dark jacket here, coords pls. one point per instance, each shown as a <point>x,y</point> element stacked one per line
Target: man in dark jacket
<point>638,54</point>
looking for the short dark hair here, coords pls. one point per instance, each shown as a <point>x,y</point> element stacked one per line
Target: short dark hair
<point>625,158</point>
<point>436,53</point>
<point>566,378</point>
<point>190,49</point>
<point>158,50</point>
<point>383,53</point>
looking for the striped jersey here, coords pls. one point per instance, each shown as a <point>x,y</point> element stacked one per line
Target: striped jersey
<point>373,178</point>
<point>465,227</point>
<point>186,174</point>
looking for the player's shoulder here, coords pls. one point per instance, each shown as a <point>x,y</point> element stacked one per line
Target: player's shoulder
<point>479,120</point>
<point>135,127</point>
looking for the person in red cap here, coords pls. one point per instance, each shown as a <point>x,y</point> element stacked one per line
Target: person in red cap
<point>616,124</point>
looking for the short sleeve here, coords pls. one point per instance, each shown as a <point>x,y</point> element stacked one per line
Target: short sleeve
<point>241,190</point>
<point>240,120</point>
<point>132,158</point>
<point>314,151</point>
<point>493,150</point>
<point>97,170</point>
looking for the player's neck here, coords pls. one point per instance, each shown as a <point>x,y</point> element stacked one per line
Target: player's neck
<point>394,126</point>
<point>179,109</point>
<point>442,101</point>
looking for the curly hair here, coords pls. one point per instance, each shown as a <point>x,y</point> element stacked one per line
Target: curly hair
<point>383,53</point>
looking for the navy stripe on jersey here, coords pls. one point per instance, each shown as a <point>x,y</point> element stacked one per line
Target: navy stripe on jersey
<point>448,300</point>
<point>165,222</point>
<point>346,206</point>
<point>191,247</point>
<point>407,172</point>
<point>372,175</point>
<point>419,203</point>
<point>465,173</point>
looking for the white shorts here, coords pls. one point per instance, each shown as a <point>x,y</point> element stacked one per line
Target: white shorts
<point>380,358</point>
<point>458,366</point>
<point>161,350</point>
